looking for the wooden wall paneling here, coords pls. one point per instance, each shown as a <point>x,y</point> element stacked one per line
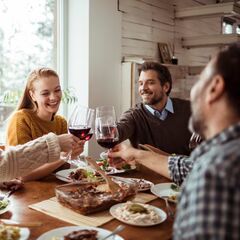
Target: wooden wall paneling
<point>192,3</point>
<point>163,16</point>
<point>136,31</point>
<point>136,18</point>
<point>144,24</point>
<point>164,4</point>
<point>134,6</point>
<point>195,27</point>
<point>132,47</point>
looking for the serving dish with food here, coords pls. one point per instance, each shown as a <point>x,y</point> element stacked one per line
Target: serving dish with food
<point>138,214</point>
<point>86,197</point>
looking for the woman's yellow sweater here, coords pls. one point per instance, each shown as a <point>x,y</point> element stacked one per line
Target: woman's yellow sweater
<point>25,126</point>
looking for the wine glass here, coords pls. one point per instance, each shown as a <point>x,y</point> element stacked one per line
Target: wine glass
<point>105,127</point>
<point>80,124</point>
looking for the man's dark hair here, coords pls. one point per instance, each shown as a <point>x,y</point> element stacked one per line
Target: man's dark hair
<point>163,73</point>
<point>227,64</point>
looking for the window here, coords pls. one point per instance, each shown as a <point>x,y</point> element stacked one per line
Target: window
<point>27,41</point>
<point>238,29</point>
<point>228,25</point>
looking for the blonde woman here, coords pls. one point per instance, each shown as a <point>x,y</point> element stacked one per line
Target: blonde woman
<point>36,116</point>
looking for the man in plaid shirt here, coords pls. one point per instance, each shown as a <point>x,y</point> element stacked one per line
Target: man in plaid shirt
<point>209,206</point>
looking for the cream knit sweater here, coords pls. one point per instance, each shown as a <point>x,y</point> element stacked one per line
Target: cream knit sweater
<point>20,160</point>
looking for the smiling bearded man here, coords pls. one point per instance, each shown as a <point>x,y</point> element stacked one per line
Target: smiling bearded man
<point>159,120</point>
<point>209,205</point>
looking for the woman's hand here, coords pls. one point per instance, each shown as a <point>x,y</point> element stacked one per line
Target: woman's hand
<point>12,185</point>
<point>77,149</point>
<point>67,141</point>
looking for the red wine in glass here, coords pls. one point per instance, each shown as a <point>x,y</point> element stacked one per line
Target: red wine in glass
<point>107,142</point>
<point>82,132</point>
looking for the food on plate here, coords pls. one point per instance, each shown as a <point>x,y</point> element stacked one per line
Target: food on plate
<point>82,235</point>
<point>106,165</point>
<point>175,187</point>
<point>103,164</point>
<point>3,203</point>
<point>173,197</point>
<point>142,184</point>
<point>81,174</point>
<point>9,233</point>
<point>137,208</point>
<point>137,213</point>
<point>85,197</point>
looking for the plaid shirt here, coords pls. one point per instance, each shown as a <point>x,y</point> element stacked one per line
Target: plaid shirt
<point>209,205</point>
<point>179,167</point>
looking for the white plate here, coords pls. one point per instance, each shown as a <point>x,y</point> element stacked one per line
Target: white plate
<point>7,208</point>
<point>143,181</point>
<point>63,175</point>
<point>160,212</point>
<point>164,189</point>
<point>112,170</point>
<point>60,232</point>
<point>24,233</point>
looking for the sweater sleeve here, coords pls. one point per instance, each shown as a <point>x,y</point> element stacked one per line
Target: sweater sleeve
<point>126,125</point>
<point>21,159</point>
<point>19,130</point>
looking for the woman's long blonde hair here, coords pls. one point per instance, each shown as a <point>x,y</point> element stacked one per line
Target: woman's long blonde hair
<point>26,101</point>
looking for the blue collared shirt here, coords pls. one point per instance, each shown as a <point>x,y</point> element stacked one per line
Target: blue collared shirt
<point>164,113</point>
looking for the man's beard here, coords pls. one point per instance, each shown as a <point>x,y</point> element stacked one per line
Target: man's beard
<point>153,101</point>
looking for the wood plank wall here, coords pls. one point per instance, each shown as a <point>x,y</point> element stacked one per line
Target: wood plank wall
<point>195,27</point>
<point>144,24</point>
<point>147,22</point>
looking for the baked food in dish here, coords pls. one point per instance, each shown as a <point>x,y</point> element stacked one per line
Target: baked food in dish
<point>82,235</point>
<point>85,197</point>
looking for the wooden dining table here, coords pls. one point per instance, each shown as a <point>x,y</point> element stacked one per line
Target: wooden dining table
<point>37,191</point>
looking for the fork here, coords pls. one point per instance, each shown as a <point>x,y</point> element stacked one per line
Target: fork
<point>116,230</point>
<point>194,140</point>
<point>169,210</point>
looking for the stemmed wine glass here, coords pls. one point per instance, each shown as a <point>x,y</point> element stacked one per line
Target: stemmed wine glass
<point>105,127</point>
<point>81,123</point>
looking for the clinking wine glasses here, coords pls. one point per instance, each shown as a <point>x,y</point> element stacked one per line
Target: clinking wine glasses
<point>105,127</point>
<point>81,122</point>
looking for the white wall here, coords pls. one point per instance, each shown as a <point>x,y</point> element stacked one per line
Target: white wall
<point>78,48</point>
<point>95,55</point>
<point>105,58</point>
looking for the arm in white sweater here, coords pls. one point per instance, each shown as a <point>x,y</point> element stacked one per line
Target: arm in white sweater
<point>20,160</point>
